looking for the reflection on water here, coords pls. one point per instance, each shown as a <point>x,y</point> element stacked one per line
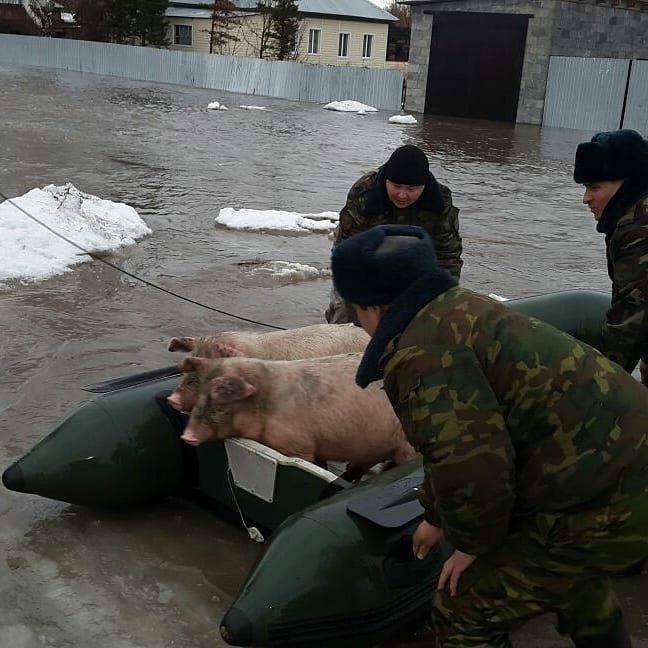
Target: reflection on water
<point>163,576</point>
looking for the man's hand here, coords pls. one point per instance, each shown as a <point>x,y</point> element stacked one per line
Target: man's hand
<point>425,537</point>
<point>643,368</point>
<point>452,570</point>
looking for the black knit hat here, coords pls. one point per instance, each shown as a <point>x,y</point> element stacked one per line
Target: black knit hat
<point>615,155</point>
<point>374,267</point>
<point>408,165</point>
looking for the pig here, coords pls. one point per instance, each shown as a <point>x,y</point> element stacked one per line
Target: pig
<point>314,341</point>
<point>294,344</point>
<point>309,408</point>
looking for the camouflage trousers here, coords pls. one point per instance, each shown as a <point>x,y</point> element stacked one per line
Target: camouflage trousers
<point>558,563</point>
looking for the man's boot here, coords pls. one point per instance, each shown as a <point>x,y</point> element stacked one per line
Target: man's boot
<point>616,637</point>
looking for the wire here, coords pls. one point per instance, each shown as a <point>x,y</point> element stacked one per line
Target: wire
<point>134,276</point>
<point>253,532</point>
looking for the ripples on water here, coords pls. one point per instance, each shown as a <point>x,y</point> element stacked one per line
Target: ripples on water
<point>159,149</point>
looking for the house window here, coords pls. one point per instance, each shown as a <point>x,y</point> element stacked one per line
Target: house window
<point>314,36</point>
<point>183,35</point>
<point>343,45</point>
<point>367,46</point>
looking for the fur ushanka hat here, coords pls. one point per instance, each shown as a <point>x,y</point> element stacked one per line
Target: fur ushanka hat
<point>615,155</point>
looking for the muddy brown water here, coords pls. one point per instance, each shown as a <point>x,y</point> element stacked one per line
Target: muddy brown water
<point>163,576</point>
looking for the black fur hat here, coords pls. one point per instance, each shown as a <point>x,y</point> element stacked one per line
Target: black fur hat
<point>374,267</point>
<point>408,165</point>
<point>615,155</point>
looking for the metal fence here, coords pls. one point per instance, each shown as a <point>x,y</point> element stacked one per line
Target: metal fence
<point>585,93</point>
<point>282,79</point>
<point>636,111</point>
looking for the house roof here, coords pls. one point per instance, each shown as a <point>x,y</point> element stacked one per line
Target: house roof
<point>193,12</point>
<point>357,9</point>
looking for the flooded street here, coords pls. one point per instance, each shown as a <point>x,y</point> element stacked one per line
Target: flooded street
<point>163,576</point>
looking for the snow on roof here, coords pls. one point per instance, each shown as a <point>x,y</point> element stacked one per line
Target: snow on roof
<point>190,12</point>
<point>352,8</point>
<point>360,9</point>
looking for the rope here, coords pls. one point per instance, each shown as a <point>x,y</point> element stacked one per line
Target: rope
<point>253,532</point>
<point>134,276</point>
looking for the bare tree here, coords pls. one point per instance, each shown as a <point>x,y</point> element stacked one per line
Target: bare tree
<point>258,33</point>
<point>223,23</point>
<point>402,12</point>
<point>46,15</point>
<point>398,38</point>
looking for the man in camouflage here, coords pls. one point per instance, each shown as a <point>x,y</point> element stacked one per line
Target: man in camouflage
<point>402,191</point>
<point>614,169</point>
<point>534,446</point>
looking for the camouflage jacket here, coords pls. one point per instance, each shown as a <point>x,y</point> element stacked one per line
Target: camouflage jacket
<point>625,334</point>
<point>368,205</point>
<point>512,416</point>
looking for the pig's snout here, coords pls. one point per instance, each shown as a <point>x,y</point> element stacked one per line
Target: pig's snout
<point>190,438</point>
<point>183,400</point>
<point>196,433</point>
<point>175,400</point>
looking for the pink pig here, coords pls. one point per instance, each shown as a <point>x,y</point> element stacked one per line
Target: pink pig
<point>314,341</point>
<point>310,409</point>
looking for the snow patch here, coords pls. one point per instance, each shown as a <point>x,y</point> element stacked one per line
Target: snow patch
<point>350,106</point>
<point>274,220</point>
<point>403,119</point>
<point>254,108</point>
<point>291,272</point>
<point>29,252</point>
<point>216,105</point>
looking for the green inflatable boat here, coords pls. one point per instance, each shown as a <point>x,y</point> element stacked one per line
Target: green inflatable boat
<point>338,568</point>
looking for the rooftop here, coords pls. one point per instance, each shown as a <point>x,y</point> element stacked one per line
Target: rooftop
<point>357,9</point>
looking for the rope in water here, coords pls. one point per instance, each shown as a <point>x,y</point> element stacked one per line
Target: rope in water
<point>134,276</point>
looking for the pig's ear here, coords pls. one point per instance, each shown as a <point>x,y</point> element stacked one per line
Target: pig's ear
<point>229,389</point>
<point>222,350</point>
<point>192,363</point>
<point>182,344</point>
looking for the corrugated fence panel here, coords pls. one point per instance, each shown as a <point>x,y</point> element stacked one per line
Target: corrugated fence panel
<point>281,79</point>
<point>636,112</point>
<point>585,93</point>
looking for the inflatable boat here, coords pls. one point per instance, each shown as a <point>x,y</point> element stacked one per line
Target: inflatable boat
<point>338,567</point>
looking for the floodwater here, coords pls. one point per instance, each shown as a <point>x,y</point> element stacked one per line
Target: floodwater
<point>163,576</point>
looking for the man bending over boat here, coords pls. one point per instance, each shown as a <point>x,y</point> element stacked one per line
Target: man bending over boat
<point>614,169</point>
<point>534,446</point>
<point>403,191</point>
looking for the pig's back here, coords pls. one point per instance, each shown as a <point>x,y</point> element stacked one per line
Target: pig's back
<point>315,341</point>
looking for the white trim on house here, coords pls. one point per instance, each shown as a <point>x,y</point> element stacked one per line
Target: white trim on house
<point>176,40</point>
<point>368,45</point>
<point>314,42</point>
<point>344,41</point>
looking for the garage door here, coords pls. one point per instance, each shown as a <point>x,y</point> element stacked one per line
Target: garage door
<point>476,65</point>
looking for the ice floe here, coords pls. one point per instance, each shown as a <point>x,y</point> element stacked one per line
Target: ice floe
<point>273,220</point>
<point>498,297</point>
<point>289,271</point>
<point>254,108</point>
<point>403,119</point>
<point>29,252</point>
<point>216,105</point>
<point>350,106</point>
